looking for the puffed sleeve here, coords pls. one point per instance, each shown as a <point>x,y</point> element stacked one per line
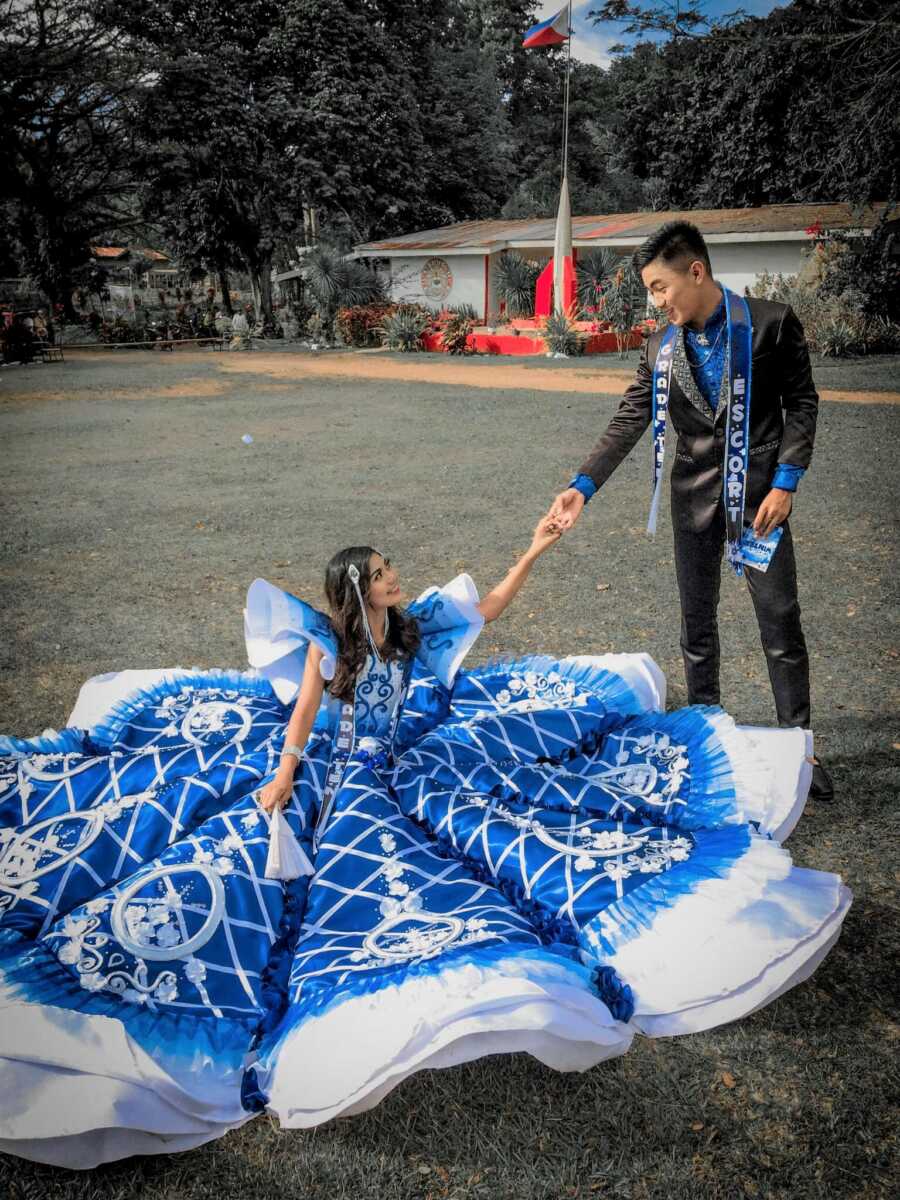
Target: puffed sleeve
<point>449,622</point>
<point>278,629</point>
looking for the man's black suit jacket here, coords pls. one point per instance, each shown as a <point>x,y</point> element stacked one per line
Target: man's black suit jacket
<point>783,409</point>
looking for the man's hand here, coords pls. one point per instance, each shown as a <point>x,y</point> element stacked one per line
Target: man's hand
<point>566,508</point>
<point>774,511</point>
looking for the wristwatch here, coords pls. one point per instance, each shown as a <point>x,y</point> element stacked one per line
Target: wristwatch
<point>296,751</point>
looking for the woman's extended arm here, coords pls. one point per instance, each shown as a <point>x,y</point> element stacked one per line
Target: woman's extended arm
<point>494,603</point>
<point>277,791</point>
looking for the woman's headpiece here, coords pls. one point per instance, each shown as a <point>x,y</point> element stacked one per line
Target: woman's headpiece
<point>353,573</point>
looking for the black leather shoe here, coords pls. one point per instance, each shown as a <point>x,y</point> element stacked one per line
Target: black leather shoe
<point>821,787</point>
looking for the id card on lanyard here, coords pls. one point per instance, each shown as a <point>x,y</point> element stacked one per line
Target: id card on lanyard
<point>738,359</point>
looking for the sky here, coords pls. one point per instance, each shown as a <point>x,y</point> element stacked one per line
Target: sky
<point>591,43</point>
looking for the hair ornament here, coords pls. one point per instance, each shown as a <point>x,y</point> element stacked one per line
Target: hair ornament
<point>353,575</point>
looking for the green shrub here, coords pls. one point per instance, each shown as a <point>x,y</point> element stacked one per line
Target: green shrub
<point>403,328</point>
<point>455,332</point>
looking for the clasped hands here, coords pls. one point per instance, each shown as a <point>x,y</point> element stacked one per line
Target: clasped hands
<point>774,511</point>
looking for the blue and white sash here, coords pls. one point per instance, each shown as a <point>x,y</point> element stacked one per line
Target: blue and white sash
<point>737,420</point>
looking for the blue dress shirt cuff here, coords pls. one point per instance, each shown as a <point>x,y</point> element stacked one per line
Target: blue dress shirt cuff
<point>585,485</point>
<point>787,477</point>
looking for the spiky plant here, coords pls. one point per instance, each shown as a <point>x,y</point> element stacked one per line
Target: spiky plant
<point>403,329</point>
<point>594,272</point>
<point>560,335</point>
<point>463,310</point>
<point>516,278</point>
<point>334,282</point>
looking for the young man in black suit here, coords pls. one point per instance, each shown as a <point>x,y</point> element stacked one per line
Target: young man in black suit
<point>675,268</point>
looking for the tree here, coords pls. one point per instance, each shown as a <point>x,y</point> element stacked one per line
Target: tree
<point>798,105</point>
<point>63,135</point>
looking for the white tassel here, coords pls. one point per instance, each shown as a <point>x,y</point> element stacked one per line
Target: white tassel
<point>287,859</point>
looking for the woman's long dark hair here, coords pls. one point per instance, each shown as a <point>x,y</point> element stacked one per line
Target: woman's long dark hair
<point>346,617</point>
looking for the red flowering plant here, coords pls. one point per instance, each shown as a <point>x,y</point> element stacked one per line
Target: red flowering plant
<point>360,325</point>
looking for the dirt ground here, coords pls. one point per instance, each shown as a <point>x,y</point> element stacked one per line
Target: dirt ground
<point>133,518</point>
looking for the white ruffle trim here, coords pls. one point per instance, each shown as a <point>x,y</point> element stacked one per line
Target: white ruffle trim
<point>78,1091</point>
<point>101,693</point>
<point>752,773</point>
<point>639,671</point>
<point>732,945</point>
<point>348,1058</point>
<point>787,754</point>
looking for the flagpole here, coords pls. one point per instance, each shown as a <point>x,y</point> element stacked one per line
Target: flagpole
<point>565,153</point>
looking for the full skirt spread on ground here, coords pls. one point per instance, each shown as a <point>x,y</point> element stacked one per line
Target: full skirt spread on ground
<point>536,857</point>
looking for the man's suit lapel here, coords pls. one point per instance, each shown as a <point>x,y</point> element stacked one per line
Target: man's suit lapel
<point>684,377</point>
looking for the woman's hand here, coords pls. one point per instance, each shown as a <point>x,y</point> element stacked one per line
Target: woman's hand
<point>275,794</point>
<point>546,533</point>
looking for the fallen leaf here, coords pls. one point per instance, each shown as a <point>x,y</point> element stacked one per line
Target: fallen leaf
<point>602,587</point>
<point>728,1079</point>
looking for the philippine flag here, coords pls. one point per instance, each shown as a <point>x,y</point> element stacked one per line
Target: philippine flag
<point>552,32</point>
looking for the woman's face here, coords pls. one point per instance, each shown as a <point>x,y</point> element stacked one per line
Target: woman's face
<point>384,583</point>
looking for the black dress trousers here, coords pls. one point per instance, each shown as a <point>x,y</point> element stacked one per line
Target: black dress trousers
<point>698,566</point>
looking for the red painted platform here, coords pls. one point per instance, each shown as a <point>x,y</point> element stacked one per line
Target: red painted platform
<point>527,339</point>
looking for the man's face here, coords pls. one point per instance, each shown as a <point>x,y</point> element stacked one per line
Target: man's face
<point>676,288</point>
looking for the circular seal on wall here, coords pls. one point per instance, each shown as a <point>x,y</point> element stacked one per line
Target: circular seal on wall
<point>437,279</point>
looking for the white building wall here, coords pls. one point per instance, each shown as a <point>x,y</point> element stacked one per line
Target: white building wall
<point>467,284</point>
<point>737,264</point>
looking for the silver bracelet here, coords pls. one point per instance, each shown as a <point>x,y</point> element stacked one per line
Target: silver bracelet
<point>296,751</point>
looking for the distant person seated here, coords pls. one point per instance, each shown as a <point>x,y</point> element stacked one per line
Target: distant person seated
<point>240,328</point>
<point>19,343</point>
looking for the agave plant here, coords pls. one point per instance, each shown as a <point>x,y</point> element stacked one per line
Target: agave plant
<point>560,335</point>
<point>516,278</point>
<point>837,338</point>
<point>334,282</point>
<point>464,310</point>
<point>403,329</point>
<point>593,272</point>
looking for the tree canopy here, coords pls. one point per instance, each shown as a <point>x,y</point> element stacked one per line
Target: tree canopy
<point>211,128</point>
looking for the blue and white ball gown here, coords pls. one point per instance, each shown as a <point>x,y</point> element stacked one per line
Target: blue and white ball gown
<point>530,856</point>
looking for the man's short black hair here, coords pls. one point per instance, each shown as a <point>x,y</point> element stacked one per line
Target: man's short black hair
<point>676,243</point>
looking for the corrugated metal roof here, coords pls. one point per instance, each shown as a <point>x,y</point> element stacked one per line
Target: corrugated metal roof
<point>769,218</point>
<point>119,251</point>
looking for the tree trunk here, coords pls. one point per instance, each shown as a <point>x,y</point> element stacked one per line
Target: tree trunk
<point>261,284</point>
<point>224,287</point>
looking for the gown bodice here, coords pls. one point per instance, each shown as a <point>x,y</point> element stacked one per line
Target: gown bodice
<point>379,690</point>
